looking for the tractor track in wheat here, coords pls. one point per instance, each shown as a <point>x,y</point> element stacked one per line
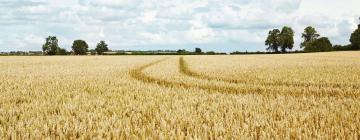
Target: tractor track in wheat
<point>139,75</point>
<point>186,70</point>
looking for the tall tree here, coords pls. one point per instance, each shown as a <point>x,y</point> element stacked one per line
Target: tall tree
<point>61,51</point>
<point>322,44</point>
<point>273,40</point>
<point>198,50</point>
<point>355,39</point>
<point>310,34</point>
<point>80,47</point>
<point>286,38</point>
<point>51,46</point>
<point>101,48</point>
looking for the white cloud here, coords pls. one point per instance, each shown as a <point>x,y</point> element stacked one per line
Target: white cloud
<point>149,16</point>
<point>133,23</point>
<point>115,3</point>
<point>200,33</point>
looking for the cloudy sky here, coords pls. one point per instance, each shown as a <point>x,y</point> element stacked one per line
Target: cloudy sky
<point>219,25</point>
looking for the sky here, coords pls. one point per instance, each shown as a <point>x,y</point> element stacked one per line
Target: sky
<point>213,25</point>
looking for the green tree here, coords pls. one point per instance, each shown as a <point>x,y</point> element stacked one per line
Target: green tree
<point>181,51</point>
<point>101,48</point>
<point>51,46</point>
<point>310,34</point>
<point>342,47</point>
<point>355,39</point>
<point>198,50</point>
<point>322,44</point>
<point>286,38</point>
<point>273,40</point>
<point>80,47</point>
<point>92,52</point>
<point>61,51</point>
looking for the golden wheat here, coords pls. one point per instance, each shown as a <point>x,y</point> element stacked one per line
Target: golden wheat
<point>300,96</point>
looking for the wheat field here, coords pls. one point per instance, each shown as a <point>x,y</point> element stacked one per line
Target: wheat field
<point>285,96</point>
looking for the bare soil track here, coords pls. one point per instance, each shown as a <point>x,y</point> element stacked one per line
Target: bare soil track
<point>266,89</point>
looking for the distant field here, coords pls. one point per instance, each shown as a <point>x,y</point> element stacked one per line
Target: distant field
<point>286,96</point>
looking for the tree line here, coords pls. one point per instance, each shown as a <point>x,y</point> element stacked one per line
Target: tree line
<point>284,40</point>
<point>278,41</point>
<point>79,47</point>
